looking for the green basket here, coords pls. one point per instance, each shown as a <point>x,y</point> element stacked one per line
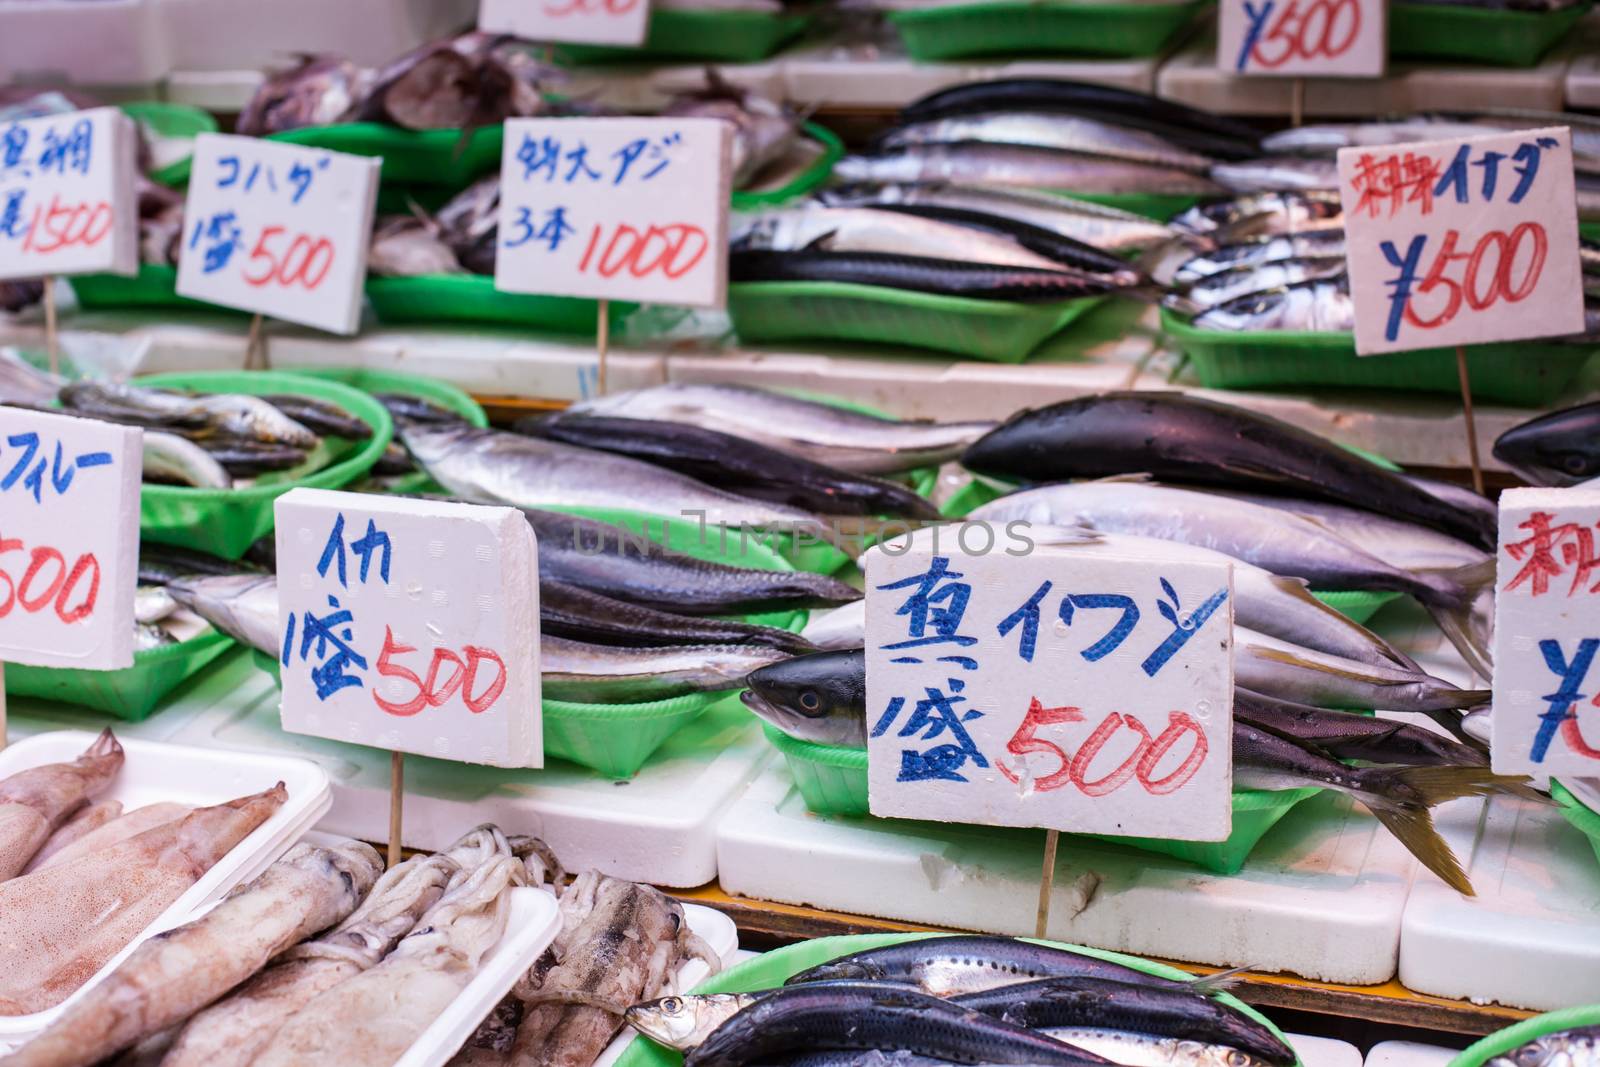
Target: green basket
<point>175,121</point>
<point>772,969</point>
<point>226,522</point>
<point>996,330</point>
<point>719,36</point>
<point>129,694</point>
<point>1579,814</point>
<point>1520,373</point>
<point>832,149</point>
<point>473,298</point>
<point>421,157</point>
<point>154,287</point>
<point>617,739</point>
<point>832,780</point>
<point>1502,1041</point>
<point>1503,38</point>
<point>1032,28</point>
<point>969,498</point>
<point>382,381</point>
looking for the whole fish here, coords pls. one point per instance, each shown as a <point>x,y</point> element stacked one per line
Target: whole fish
<point>1577,1046</point>
<point>170,977</point>
<point>735,464</point>
<point>37,801</point>
<point>1400,797</point>
<point>492,467</point>
<point>613,562</point>
<point>945,966</point>
<point>573,612</point>
<point>944,277</point>
<point>233,1030</point>
<point>177,460</point>
<point>824,433</point>
<point>1187,439</point>
<point>1281,669</point>
<point>1108,229</point>
<point>1264,214</point>
<point>576,670</point>
<point>255,418</point>
<point>971,163</point>
<point>1259,251</point>
<point>1318,307</point>
<point>1560,448</point>
<point>1344,735</point>
<point>320,90</point>
<point>243,606</point>
<point>1328,138</point>
<point>114,832</point>
<point>404,246</point>
<point>1067,133</point>
<point>231,414</point>
<point>87,820</point>
<point>865,229</point>
<point>1058,249</point>
<point>821,697</point>
<point>764,130</point>
<point>321,416</point>
<point>850,1016</point>
<point>1230,285</point>
<point>1274,174</point>
<point>1131,1007</point>
<point>65,921</point>
<point>1282,542</point>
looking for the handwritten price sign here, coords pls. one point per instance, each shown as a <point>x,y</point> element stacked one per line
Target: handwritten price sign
<point>67,202</point>
<point>1463,241</point>
<point>1067,688</point>
<point>69,540</point>
<point>621,209</point>
<point>278,229</point>
<point>410,625</point>
<point>614,22</point>
<point>1303,38</point>
<point>1547,633</point>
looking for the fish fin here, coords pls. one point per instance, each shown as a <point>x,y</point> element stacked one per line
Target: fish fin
<point>1220,982</point>
<point>1456,592</point>
<point>822,242</point>
<point>1413,825</point>
<point>1300,589</point>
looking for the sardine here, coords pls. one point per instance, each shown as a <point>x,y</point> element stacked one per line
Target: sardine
<point>85,821</point>
<point>1560,448</point>
<point>404,246</point>
<point>824,433</point>
<point>1317,307</point>
<point>1276,174</point>
<point>35,802</point>
<point>321,416</point>
<point>1231,285</point>
<point>1133,1049</point>
<point>1187,439</point>
<point>114,832</point>
<point>318,91</point>
<point>1344,735</point>
<point>1260,251</point>
<point>1282,669</point>
<point>845,229</point>
<point>683,1022</point>
<point>243,606</point>
<point>1264,214</point>
<point>581,615</point>
<point>65,921</point>
<point>944,277</point>
<point>1577,1046</point>
<point>972,163</point>
<point>577,670</point>
<point>170,977</point>
<point>1067,133</point>
<point>821,697</point>
<point>176,460</point>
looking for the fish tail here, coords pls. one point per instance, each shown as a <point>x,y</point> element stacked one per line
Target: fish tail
<point>1413,825</point>
<point>1451,597</point>
<point>106,744</point>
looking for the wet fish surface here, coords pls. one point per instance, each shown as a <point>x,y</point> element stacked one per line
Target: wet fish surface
<point>576,670</point>
<point>574,612</point>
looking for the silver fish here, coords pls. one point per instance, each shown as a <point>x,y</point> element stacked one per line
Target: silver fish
<point>1276,174</point>
<point>1328,138</point>
<point>1578,1046</point>
<point>1067,133</point>
<point>175,460</point>
<point>243,606</point>
<point>1261,251</point>
<point>865,230</point>
<point>849,440</point>
<point>1018,165</point>
<point>233,414</point>
<point>1317,307</point>
<point>1282,669</point>
<point>682,1023</point>
<point>1230,285</point>
<point>577,670</point>
<point>1262,214</point>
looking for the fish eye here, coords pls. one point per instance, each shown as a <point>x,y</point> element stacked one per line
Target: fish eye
<point>1238,1059</point>
<point>809,699</point>
<point>672,1005</point>
<point>1575,463</point>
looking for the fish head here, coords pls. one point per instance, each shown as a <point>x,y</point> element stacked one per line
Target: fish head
<point>1558,449</point>
<point>819,697</point>
<point>1563,1048</point>
<point>684,1022</point>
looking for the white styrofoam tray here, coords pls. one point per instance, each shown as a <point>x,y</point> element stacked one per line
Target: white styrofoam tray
<point>1324,1051</point>
<point>1409,1054</point>
<point>156,771</point>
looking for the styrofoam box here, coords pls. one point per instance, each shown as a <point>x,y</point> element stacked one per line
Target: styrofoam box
<point>155,771</point>
<point>1409,1054</point>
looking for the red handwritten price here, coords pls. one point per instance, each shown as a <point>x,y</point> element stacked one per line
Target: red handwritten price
<point>33,593</point>
<point>1501,266</point>
<point>1322,29</point>
<point>60,226</point>
<point>305,262</point>
<point>672,250</point>
<point>591,7</point>
<point>1139,765</point>
<point>431,692</point>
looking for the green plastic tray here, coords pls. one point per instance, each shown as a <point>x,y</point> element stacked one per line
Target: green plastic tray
<point>969,498</point>
<point>1358,605</point>
<point>226,522</point>
<point>833,781</point>
<point>772,969</point>
<point>171,120</point>
<point>1521,373</point>
<point>996,330</point>
<point>422,157</point>
<point>154,287</point>
<point>1033,28</point>
<point>1503,1041</point>
<point>1504,38</point>
<point>1589,229</point>
<point>721,36</point>
<point>802,183</point>
<point>129,694</point>
<point>473,298</point>
<point>1578,814</point>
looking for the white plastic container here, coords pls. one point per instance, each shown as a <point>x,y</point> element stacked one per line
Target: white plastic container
<point>155,771</point>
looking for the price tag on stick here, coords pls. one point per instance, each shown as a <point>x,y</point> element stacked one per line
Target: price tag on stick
<point>612,22</point>
<point>1303,38</point>
<point>1547,634</point>
<point>278,229</point>
<point>1053,685</point>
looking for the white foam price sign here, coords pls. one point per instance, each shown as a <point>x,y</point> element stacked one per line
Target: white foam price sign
<point>278,229</point>
<point>67,200</point>
<point>1051,685</point>
<point>620,209</point>
<point>1462,241</point>
<point>1547,634</point>
<point>1303,38</point>
<point>69,540</point>
<point>410,625</point>
<point>612,22</point>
